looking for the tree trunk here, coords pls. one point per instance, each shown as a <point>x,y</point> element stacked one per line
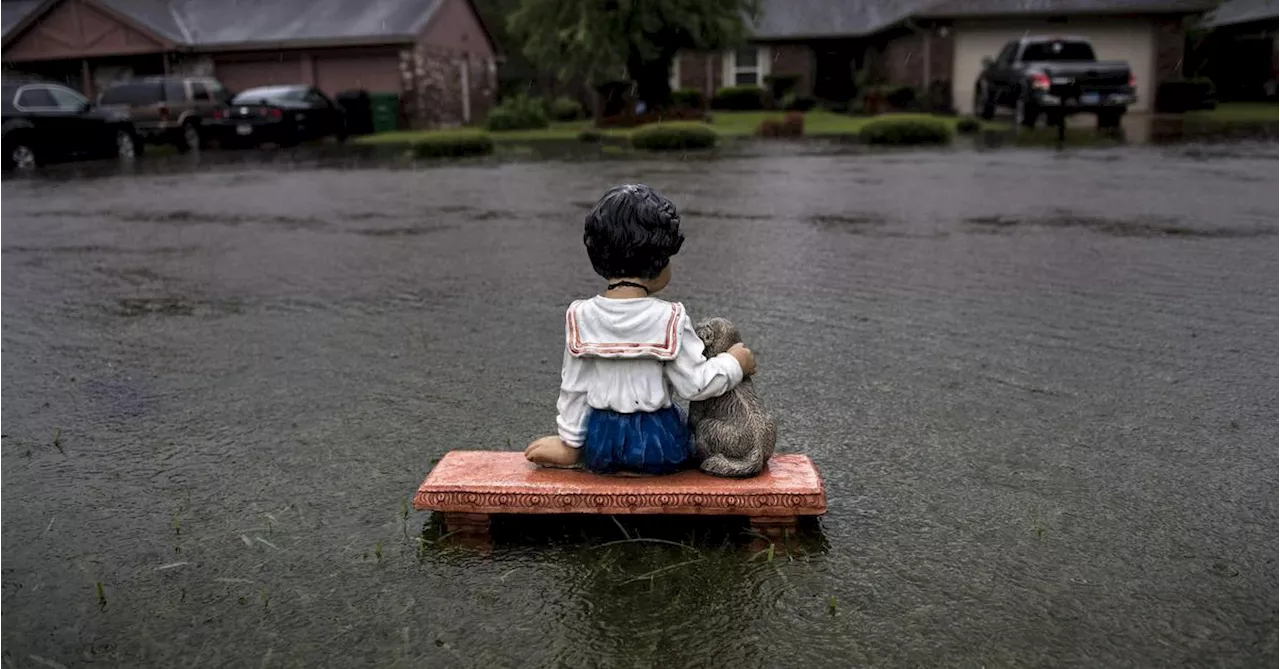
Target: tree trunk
<point>653,81</point>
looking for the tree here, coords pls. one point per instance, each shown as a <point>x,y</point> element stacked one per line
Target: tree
<point>597,39</point>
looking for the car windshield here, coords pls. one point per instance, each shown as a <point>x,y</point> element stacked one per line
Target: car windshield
<point>269,93</point>
<point>142,93</point>
<point>9,92</point>
<point>1057,50</point>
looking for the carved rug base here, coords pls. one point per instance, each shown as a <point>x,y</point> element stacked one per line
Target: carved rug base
<point>468,486</point>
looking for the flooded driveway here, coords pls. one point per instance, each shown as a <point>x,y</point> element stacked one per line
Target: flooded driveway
<point>1041,388</point>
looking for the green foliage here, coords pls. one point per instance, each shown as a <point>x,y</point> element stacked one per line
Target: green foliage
<point>517,112</point>
<point>590,136</point>
<point>688,98</point>
<point>781,85</point>
<point>738,98</point>
<point>968,126</point>
<point>905,130</point>
<point>595,39</point>
<point>800,103</point>
<point>566,109</point>
<point>674,136</point>
<point>454,144</point>
<point>903,98</point>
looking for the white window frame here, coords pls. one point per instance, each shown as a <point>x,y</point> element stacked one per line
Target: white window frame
<point>764,63</point>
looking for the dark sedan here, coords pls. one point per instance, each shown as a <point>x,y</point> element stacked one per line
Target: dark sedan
<point>283,115</point>
<point>44,121</point>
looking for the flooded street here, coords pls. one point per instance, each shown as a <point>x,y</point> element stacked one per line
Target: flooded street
<point>1041,389</point>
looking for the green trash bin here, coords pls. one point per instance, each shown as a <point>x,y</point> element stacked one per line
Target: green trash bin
<point>386,111</point>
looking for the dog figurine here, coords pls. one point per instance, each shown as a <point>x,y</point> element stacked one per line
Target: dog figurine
<point>734,434</point>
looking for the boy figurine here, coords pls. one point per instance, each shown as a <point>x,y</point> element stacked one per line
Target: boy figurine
<point>628,354</point>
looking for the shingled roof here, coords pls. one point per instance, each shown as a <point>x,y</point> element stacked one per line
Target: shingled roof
<point>13,12</point>
<point>831,18</point>
<point>211,23</point>
<point>794,19</point>
<point>1235,12</point>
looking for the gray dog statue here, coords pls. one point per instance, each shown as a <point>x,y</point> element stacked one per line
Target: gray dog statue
<point>733,433</point>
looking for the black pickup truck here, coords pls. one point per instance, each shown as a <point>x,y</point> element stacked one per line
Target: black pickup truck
<point>1054,76</point>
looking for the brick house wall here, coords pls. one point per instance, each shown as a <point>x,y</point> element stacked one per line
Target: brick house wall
<point>794,59</point>
<point>700,70</point>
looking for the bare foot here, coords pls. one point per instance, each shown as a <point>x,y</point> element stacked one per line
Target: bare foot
<point>552,452</point>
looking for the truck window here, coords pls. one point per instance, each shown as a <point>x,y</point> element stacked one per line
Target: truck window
<point>1006,54</point>
<point>1057,50</point>
<point>135,94</point>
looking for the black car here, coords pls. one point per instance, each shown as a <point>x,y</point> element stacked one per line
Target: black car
<point>45,121</point>
<point>282,115</point>
<point>1056,77</point>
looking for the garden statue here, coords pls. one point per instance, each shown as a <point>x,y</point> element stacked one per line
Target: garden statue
<point>629,356</point>
<point>733,433</point>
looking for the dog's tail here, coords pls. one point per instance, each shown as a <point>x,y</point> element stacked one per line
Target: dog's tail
<point>719,465</point>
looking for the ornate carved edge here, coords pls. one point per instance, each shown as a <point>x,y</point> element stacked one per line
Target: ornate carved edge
<point>754,504</point>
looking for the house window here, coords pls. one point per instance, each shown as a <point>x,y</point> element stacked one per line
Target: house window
<point>747,66</point>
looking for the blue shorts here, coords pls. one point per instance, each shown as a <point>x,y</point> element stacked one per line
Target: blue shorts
<point>648,443</point>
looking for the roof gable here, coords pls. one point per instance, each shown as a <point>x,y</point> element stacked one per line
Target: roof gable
<point>75,29</point>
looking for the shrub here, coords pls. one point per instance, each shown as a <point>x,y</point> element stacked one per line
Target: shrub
<point>800,103</point>
<point>968,126</point>
<point>675,136</point>
<point>739,98</point>
<point>781,85</point>
<point>791,125</point>
<point>904,130</point>
<point>517,113</point>
<point>903,98</point>
<point>688,98</point>
<point>454,144</point>
<point>566,109</point>
<point>590,136</point>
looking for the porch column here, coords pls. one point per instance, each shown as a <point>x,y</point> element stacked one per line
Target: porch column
<point>86,80</point>
<point>308,69</point>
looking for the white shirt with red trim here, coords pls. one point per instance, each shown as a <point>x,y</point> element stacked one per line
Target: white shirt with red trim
<point>630,356</point>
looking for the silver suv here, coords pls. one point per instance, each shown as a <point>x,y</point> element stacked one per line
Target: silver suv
<point>168,110</point>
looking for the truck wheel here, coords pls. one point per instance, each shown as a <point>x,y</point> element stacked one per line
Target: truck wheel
<point>189,139</point>
<point>1108,120</point>
<point>1025,113</point>
<point>982,106</point>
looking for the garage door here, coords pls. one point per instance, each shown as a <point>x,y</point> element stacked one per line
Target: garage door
<point>377,74</point>
<point>1131,40</point>
<point>238,75</point>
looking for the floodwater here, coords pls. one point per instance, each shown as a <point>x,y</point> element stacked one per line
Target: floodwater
<point>1041,388</point>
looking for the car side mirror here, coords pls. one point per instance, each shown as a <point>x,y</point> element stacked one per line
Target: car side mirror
<point>987,62</point>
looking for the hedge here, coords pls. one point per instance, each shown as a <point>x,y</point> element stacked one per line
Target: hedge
<point>674,136</point>
<point>904,129</point>
<point>517,113</point>
<point>968,125</point>
<point>566,109</point>
<point>739,98</point>
<point>454,144</point>
<point>688,98</point>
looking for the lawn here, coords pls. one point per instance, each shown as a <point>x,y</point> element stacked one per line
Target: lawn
<point>1239,112</point>
<point>817,123</point>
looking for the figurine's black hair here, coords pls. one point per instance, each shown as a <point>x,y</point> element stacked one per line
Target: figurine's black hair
<point>632,232</point>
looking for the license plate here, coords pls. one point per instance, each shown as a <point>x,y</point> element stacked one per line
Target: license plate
<point>244,129</point>
<point>1089,99</point>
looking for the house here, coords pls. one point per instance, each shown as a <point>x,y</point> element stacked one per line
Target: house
<point>436,54</point>
<point>1242,47</point>
<point>935,45</point>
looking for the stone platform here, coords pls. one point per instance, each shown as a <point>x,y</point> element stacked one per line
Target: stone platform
<point>469,486</point>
